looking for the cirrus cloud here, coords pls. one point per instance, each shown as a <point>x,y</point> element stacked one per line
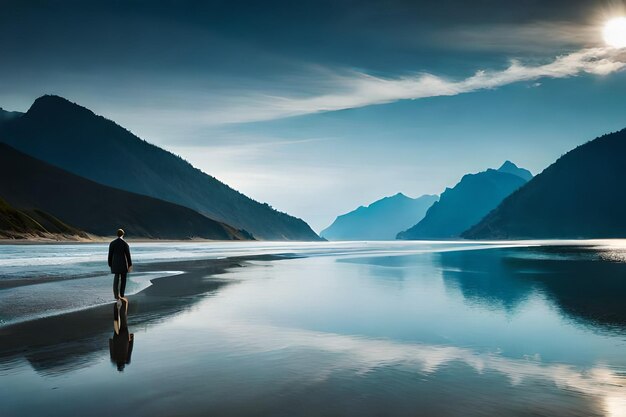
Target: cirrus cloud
<point>358,89</point>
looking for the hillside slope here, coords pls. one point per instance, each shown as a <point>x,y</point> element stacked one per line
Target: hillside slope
<point>24,224</point>
<point>465,204</point>
<point>578,196</point>
<point>31,185</point>
<point>75,139</point>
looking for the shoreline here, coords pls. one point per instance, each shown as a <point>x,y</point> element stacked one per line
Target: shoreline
<point>22,282</point>
<point>101,239</point>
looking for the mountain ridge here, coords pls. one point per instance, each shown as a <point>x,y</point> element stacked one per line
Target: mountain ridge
<point>8,115</point>
<point>30,185</point>
<point>510,168</point>
<point>380,220</point>
<point>464,205</point>
<point>74,138</point>
<point>578,196</point>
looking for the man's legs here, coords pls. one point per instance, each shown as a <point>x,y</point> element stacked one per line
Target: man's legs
<point>123,284</point>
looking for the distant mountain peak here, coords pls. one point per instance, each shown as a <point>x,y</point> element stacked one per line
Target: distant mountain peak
<point>381,220</point>
<point>577,197</point>
<point>51,100</point>
<point>397,196</point>
<point>53,105</point>
<point>71,137</point>
<point>465,204</point>
<point>507,165</point>
<point>510,168</point>
<point>7,115</point>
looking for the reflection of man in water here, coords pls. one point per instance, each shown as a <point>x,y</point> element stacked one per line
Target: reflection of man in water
<point>121,344</point>
<point>120,263</point>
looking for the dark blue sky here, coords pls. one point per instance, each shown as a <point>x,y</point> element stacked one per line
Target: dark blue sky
<point>318,107</point>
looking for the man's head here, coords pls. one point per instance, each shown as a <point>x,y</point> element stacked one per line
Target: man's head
<point>120,232</point>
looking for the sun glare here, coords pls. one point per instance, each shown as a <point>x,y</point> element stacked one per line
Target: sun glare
<point>615,32</point>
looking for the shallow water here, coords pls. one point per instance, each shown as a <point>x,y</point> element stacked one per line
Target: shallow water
<point>450,329</point>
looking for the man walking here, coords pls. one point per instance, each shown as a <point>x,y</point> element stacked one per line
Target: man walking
<point>120,263</point>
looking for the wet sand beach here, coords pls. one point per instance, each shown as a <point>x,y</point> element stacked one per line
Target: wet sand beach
<point>54,338</point>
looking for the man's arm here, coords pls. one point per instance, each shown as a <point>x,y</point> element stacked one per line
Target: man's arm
<point>127,251</point>
<point>110,255</point>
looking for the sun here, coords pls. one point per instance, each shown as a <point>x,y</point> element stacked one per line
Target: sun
<point>615,32</point>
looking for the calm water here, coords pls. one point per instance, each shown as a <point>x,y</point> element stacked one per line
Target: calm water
<point>364,329</point>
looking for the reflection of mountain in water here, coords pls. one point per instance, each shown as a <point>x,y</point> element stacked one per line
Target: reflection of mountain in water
<point>485,277</point>
<point>585,283</point>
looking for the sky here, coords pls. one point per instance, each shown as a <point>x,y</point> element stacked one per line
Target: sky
<point>319,107</point>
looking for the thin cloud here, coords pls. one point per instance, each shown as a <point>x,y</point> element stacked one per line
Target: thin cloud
<point>358,89</point>
<point>533,37</point>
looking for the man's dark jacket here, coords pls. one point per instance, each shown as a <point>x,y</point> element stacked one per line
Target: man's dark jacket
<point>119,256</point>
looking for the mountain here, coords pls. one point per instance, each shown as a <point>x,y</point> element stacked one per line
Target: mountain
<point>578,196</point>
<point>510,168</point>
<point>22,224</point>
<point>8,115</point>
<point>381,220</point>
<point>31,185</point>
<point>75,139</point>
<point>466,203</point>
